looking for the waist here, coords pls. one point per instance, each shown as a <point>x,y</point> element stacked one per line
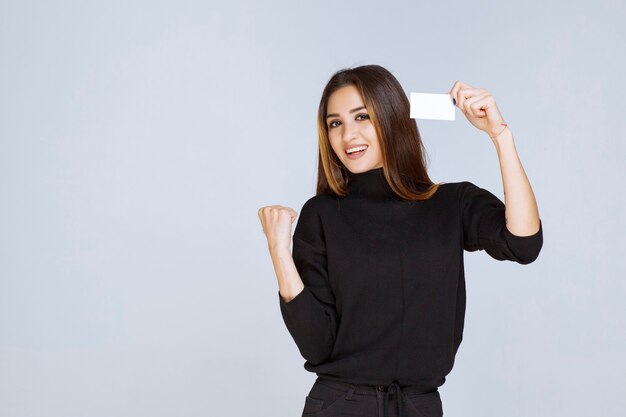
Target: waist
<point>373,389</point>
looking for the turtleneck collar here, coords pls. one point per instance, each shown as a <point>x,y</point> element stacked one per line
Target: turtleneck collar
<point>370,183</point>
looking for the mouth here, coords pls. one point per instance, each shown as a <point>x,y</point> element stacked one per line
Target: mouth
<point>355,152</point>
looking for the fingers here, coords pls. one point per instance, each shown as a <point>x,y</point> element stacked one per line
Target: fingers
<point>454,92</point>
<point>276,210</point>
<point>276,222</point>
<point>268,208</point>
<point>461,92</point>
<point>477,105</point>
<point>464,94</point>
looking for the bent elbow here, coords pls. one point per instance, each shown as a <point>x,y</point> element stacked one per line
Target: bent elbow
<point>530,256</point>
<point>317,356</point>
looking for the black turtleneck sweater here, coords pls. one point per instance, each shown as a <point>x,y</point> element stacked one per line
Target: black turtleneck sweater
<point>384,285</point>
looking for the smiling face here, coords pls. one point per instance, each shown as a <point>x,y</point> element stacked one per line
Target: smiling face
<point>349,126</point>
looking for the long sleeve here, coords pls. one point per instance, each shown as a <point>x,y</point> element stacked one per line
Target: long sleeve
<point>484,228</point>
<point>311,317</point>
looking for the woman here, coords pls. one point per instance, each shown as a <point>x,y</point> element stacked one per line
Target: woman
<point>374,291</point>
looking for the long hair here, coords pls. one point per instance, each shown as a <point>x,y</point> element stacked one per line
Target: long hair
<point>403,153</point>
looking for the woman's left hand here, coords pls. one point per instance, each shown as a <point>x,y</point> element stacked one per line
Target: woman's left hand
<point>479,106</point>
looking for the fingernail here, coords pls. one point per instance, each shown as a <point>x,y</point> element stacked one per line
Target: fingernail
<point>454,101</point>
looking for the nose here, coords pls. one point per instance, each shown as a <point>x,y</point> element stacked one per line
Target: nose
<point>349,132</point>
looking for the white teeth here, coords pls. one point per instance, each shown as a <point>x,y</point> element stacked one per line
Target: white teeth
<point>358,148</point>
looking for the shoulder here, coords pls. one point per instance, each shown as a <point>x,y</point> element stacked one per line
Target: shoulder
<point>461,188</point>
<point>316,203</point>
<point>466,193</point>
<point>459,185</point>
<point>314,207</point>
<point>453,190</point>
<point>309,224</point>
<point>472,195</point>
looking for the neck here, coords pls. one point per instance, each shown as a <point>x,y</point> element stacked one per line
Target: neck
<point>370,183</point>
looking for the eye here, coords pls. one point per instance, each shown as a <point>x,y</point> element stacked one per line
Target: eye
<point>365,117</point>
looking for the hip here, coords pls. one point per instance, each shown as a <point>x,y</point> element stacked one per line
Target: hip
<point>328,398</point>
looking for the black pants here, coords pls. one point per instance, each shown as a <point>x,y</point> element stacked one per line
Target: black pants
<point>328,398</point>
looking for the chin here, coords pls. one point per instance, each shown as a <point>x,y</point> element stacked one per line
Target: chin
<point>367,166</point>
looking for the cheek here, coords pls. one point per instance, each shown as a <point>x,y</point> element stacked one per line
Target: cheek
<point>339,151</point>
<point>335,145</point>
<point>371,132</point>
<point>372,136</point>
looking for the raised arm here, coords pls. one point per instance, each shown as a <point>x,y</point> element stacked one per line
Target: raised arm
<point>521,237</point>
<point>522,214</point>
<point>307,303</point>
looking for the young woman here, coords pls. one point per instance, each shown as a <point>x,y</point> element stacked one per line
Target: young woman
<point>373,293</point>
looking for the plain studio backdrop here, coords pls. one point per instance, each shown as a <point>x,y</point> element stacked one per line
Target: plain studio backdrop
<point>139,139</point>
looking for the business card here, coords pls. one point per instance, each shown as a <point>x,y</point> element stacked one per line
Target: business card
<point>432,106</point>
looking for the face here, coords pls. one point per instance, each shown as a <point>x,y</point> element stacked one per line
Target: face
<point>349,126</point>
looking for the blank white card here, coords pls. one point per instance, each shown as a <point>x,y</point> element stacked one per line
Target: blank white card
<point>432,106</point>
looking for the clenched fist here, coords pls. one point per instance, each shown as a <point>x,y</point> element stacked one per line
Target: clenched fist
<point>276,221</point>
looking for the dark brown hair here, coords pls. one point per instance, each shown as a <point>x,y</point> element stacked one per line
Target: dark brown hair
<point>403,153</point>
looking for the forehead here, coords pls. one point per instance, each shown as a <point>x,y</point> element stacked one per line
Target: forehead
<point>347,97</point>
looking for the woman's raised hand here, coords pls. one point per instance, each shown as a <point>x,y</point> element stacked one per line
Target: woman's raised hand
<point>479,106</point>
<point>276,221</point>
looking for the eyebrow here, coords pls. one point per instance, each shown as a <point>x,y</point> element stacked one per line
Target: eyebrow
<point>351,111</point>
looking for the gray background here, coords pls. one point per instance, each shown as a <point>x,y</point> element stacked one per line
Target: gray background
<point>139,139</point>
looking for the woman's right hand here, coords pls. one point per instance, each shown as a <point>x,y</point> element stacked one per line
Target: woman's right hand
<point>276,221</point>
